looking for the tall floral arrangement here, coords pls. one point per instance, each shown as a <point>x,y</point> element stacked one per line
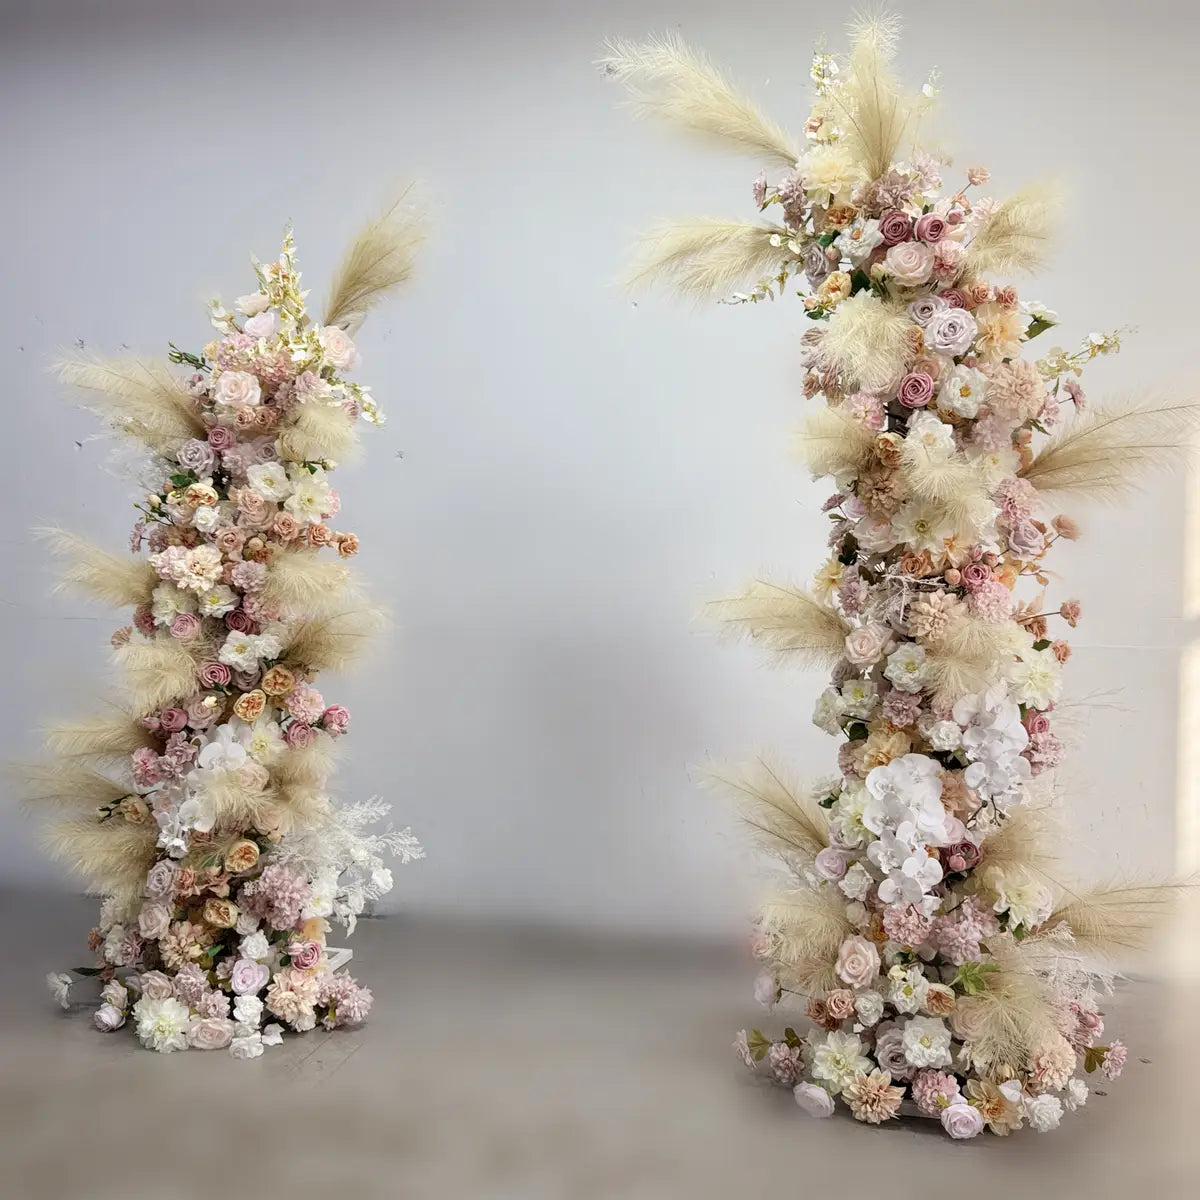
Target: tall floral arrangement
<point>198,809</point>
<point>942,967</point>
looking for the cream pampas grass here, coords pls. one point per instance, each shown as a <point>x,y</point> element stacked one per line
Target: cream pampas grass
<point>877,113</point>
<point>1103,453</point>
<point>379,259</point>
<point>963,658</point>
<point>1026,841</point>
<point>305,586</point>
<point>111,858</point>
<point>866,342</point>
<point>785,620</point>
<point>157,671</point>
<point>335,642</point>
<point>235,807</point>
<point>832,443</point>
<point>301,805</point>
<point>806,929</point>
<point>318,432</point>
<point>308,766</point>
<point>667,79</point>
<point>786,818</point>
<point>958,488</point>
<point>141,399</point>
<point>1018,234</point>
<point>1013,1015</point>
<point>114,736</point>
<point>1116,918</point>
<point>66,785</point>
<point>118,581</point>
<point>705,256</point>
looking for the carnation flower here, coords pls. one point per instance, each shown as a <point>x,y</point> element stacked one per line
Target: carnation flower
<point>1113,1062</point>
<point>927,1042</point>
<point>784,1062</point>
<point>1043,1112</point>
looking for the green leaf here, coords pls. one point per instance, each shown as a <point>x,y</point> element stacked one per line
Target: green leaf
<point>1093,1057</point>
<point>1042,644</point>
<point>758,1044</point>
<point>856,731</point>
<point>971,978</point>
<point>793,1039</point>
<point>1036,326</point>
<point>183,480</point>
<point>828,237</point>
<point>88,971</point>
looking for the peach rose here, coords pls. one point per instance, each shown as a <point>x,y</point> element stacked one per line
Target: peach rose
<point>347,544</point>
<point>857,962</point>
<point>249,705</point>
<point>221,913</point>
<point>319,534</point>
<point>278,681</point>
<point>241,856</point>
<point>939,1000</point>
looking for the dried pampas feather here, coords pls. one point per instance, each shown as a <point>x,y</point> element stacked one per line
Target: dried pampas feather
<point>301,804</point>
<point>334,642</point>
<point>876,111</point>
<point>806,929</point>
<point>308,766</point>
<point>379,259</point>
<point>318,432</point>
<point>1010,1018</point>
<point>143,400</point>
<point>866,342</point>
<point>1017,235</point>
<point>787,820</point>
<point>1026,840</point>
<point>1102,453</point>
<point>784,619</point>
<point>305,586</point>
<point>957,488</point>
<point>235,806</point>
<point>668,79</point>
<point>963,659</point>
<point>1111,919</point>
<point>120,582</point>
<point>832,443</point>
<point>111,858</point>
<point>705,256</point>
<point>156,671</point>
<point>98,737</point>
<point>66,785</point>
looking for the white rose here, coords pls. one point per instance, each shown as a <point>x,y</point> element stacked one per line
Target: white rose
<point>340,350</point>
<point>206,518</point>
<point>107,1018</point>
<point>857,882</point>
<point>960,1120</point>
<point>262,325</point>
<point>249,1045</point>
<point>766,989</point>
<point>1043,1112</point>
<point>868,1007</point>
<point>252,304</point>
<point>255,946</point>
<point>866,644</point>
<point>962,391</point>
<point>909,263</point>
<point>235,388</point>
<point>941,735</point>
<point>815,1100</point>
<point>247,1010</point>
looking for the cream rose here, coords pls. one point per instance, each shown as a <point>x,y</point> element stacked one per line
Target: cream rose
<point>909,263</point>
<point>340,350</point>
<point>866,644</point>
<point>857,962</point>
<point>156,986</point>
<point>154,919</point>
<point>210,1033</point>
<point>961,1121</point>
<point>237,388</point>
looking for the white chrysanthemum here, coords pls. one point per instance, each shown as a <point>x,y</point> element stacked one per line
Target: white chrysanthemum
<point>827,579</point>
<point>906,667</point>
<point>217,601</point>
<point>829,174</point>
<point>837,1059</point>
<point>922,526</point>
<point>926,1042</point>
<point>1036,678</point>
<point>269,480</point>
<point>162,1025</point>
<point>962,391</point>
<point>167,602</point>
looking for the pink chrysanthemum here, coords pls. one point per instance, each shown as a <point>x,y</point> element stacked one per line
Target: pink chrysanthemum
<point>933,1090</point>
<point>907,925</point>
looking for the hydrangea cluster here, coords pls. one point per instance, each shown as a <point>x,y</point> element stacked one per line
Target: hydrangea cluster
<point>226,944</point>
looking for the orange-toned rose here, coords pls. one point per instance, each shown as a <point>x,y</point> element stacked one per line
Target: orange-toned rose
<point>278,681</point>
<point>221,913</point>
<point>319,534</point>
<point>134,810</point>
<point>249,705</point>
<point>241,856</point>
<point>347,544</point>
<point>939,1000</point>
<point>285,526</point>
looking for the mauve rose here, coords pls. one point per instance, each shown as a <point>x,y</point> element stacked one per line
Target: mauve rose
<point>214,674</point>
<point>299,735</point>
<point>172,720</point>
<point>252,506</point>
<point>925,308</point>
<point>916,390</point>
<point>816,264</point>
<point>953,298</point>
<point>210,1033</point>
<point>889,1051</point>
<point>107,1018</point>
<point>830,863</point>
<point>160,880</point>
<point>975,575</point>
<point>1037,722</point>
<point>336,720</point>
<point>931,228</point>
<point>155,985</point>
<point>814,1099</point>
<point>249,977</point>
<point>962,856</point>
<point>951,331</point>
<point>240,621</point>
<point>264,450</point>
<point>304,955</point>
<point>195,455</point>
<point>201,715</point>
<point>221,437</point>
<point>185,626</point>
<point>894,227</point>
<point>961,1121</point>
<point>229,539</point>
<point>1025,540</point>
<point>154,919</point>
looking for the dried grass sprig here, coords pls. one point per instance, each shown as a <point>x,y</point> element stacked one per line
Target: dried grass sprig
<point>866,341</point>
<point>1018,234</point>
<point>112,858</point>
<point>668,79</point>
<point>379,259</point>
<point>318,432</point>
<point>832,443</point>
<point>112,736</point>
<point>806,928</point>
<point>65,785</point>
<point>333,643</point>
<point>156,671</point>
<point>785,620</point>
<point>1112,919</point>
<point>122,582</point>
<point>305,586</point>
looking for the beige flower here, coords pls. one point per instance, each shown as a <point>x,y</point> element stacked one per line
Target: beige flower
<point>249,705</point>
<point>872,1098</point>
<point>223,914</point>
<point>278,681</point>
<point>930,616</point>
<point>882,746</point>
<point>939,1000</point>
<point>1000,1113</point>
<point>241,856</point>
<point>1000,333</point>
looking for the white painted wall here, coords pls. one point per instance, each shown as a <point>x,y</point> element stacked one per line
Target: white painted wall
<point>566,475</point>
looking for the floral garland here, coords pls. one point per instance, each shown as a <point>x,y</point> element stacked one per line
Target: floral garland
<point>225,859</point>
<point>942,968</point>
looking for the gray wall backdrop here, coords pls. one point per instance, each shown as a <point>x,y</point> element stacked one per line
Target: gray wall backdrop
<point>566,473</point>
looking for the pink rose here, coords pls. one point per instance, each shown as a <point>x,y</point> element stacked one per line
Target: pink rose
<point>975,575</point>
<point>335,720</point>
<point>107,1018</point>
<point>830,863</point>
<point>298,735</point>
<point>931,228</point>
<point>305,955</point>
<point>916,390</point>
<point>249,977</point>
<point>960,1120</point>
<point>953,298</point>
<point>221,437</point>
<point>240,621</point>
<point>909,263</point>
<point>229,539</point>
<point>156,986</point>
<point>185,626</point>
<point>210,1033</point>
<point>1037,722</point>
<point>172,720</point>
<point>340,351</point>
<point>894,227</point>
<point>857,962</point>
<point>865,645</point>
<point>214,674</point>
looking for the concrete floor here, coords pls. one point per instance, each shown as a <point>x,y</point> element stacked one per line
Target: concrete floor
<point>502,1064</point>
